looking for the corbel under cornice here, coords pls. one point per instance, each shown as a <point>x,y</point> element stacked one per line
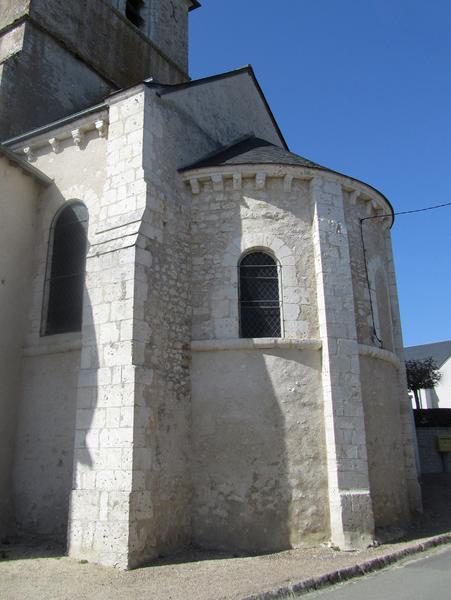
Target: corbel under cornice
<point>375,204</point>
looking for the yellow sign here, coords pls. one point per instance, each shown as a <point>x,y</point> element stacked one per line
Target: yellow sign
<point>444,443</point>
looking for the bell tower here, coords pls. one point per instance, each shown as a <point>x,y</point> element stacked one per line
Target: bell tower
<point>57,58</point>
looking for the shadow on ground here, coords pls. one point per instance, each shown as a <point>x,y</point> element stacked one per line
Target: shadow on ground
<point>26,548</point>
<point>435,520</point>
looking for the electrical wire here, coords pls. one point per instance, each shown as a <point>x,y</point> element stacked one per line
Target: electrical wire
<point>407,212</point>
<point>404,212</point>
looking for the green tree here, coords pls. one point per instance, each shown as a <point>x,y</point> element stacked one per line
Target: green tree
<point>421,374</point>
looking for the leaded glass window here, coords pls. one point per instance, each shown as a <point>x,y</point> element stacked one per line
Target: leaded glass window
<point>259,296</point>
<point>66,271</point>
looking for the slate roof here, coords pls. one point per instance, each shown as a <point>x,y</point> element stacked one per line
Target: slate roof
<point>440,352</point>
<point>252,151</point>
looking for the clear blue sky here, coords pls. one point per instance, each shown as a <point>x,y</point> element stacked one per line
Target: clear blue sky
<point>363,87</point>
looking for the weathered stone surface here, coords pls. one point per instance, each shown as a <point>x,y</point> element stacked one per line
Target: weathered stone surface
<point>57,58</point>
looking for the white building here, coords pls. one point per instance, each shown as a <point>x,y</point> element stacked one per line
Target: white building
<point>440,395</point>
<point>196,347</point>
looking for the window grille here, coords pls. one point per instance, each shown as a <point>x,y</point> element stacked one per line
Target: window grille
<point>66,270</point>
<point>259,296</point>
<point>133,10</point>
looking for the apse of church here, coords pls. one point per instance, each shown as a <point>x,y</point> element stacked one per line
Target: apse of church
<point>195,348</point>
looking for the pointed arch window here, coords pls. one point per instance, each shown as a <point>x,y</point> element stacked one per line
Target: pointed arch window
<point>259,297</point>
<point>65,274</point>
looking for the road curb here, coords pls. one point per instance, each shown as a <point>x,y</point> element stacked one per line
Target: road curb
<point>346,573</point>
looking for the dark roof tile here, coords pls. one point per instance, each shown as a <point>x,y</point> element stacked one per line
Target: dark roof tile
<point>440,352</point>
<point>252,151</point>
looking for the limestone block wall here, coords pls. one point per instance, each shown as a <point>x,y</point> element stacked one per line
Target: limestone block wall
<point>380,385</point>
<point>57,58</point>
<point>431,460</point>
<point>45,441</point>
<point>106,39</point>
<point>173,132</point>
<point>43,466</point>
<point>133,393</point>
<point>351,513</point>
<point>323,295</point>
<point>234,215</point>
<point>42,82</point>
<point>18,208</point>
<point>407,421</point>
<point>258,461</point>
<point>374,319</point>
<point>378,326</point>
<point>131,484</point>
<point>259,470</point>
<point>163,321</point>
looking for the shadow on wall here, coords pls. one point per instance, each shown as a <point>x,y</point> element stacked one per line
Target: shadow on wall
<point>380,385</point>
<point>46,436</point>
<point>241,492</point>
<point>258,466</point>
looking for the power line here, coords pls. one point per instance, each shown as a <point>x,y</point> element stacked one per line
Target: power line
<point>404,212</point>
<point>407,212</point>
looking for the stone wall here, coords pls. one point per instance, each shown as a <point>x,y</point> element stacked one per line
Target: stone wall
<point>351,513</point>
<point>370,282</point>
<point>259,473</point>
<point>380,394</point>
<point>46,428</point>
<point>18,196</point>
<point>229,218</point>
<point>258,461</point>
<point>41,82</point>
<point>379,326</point>
<point>57,58</point>
<point>431,460</point>
<point>269,447</point>
<point>105,39</point>
<point>45,441</point>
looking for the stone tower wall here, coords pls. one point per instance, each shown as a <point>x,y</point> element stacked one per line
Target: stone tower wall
<point>57,58</point>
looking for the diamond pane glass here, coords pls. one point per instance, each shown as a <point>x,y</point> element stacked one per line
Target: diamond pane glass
<point>259,296</point>
<point>66,280</point>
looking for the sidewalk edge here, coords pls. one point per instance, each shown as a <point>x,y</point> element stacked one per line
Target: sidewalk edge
<point>346,573</point>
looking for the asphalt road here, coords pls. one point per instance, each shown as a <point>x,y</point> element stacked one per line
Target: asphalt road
<point>425,578</point>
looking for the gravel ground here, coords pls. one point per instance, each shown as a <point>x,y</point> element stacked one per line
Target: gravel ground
<point>30,572</point>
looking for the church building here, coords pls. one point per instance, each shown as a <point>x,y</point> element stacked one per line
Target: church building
<point>200,335</point>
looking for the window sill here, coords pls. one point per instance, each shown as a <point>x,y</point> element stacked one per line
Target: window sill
<point>254,344</point>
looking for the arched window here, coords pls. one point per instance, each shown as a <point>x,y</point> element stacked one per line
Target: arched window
<point>259,296</point>
<point>66,270</point>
